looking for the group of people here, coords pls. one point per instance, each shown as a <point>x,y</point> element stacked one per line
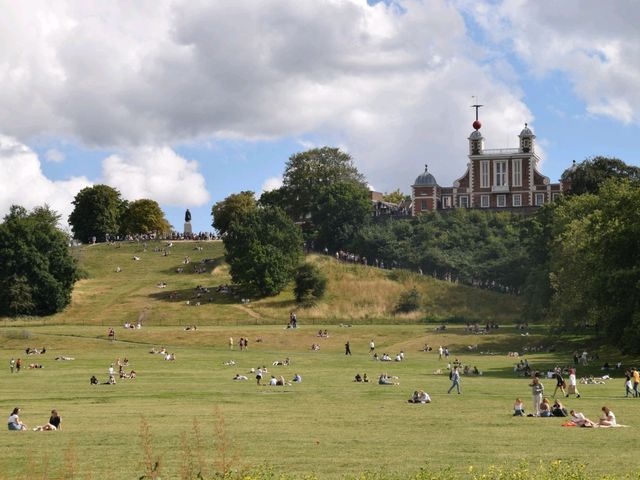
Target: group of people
<point>14,423</point>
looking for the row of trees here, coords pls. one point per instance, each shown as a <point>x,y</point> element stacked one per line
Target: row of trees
<point>100,211</point>
<point>585,256</point>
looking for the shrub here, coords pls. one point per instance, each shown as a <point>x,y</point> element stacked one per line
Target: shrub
<point>311,284</point>
<point>408,302</point>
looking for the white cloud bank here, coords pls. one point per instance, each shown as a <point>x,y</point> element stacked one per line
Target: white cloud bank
<point>23,182</point>
<point>391,83</point>
<point>156,173</point>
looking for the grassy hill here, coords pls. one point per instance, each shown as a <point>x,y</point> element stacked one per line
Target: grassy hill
<point>191,415</point>
<point>355,294</point>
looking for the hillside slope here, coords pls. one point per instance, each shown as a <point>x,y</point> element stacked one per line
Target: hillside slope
<point>355,294</point>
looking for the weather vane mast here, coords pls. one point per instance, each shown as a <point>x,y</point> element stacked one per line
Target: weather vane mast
<point>477,123</point>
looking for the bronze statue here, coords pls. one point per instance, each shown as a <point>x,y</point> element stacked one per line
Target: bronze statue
<point>187,216</point>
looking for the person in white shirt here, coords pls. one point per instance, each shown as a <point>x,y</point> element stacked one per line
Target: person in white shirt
<point>580,420</point>
<point>608,419</point>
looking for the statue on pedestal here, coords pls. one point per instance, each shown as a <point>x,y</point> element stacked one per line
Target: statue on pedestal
<point>188,232</point>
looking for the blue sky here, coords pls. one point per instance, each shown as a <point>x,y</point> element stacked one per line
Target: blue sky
<point>186,102</point>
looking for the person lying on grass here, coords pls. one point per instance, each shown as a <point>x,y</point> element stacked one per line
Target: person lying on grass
<point>580,420</point>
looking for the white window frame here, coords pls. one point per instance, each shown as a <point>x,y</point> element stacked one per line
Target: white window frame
<point>446,201</point>
<point>484,174</point>
<point>485,201</point>
<point>539,199</point>
<point>500,178</point>
<point>516,200</point>
<point>501,200</point>
<point>516,172</point>
<point>463,201</point>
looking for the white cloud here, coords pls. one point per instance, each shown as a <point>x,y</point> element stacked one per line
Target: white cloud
<point>54,155</point>
<point>271,183</point>
<point>390,83</point>
<point>23,182</point>
<point>157,173</point>
<point>596,44</point>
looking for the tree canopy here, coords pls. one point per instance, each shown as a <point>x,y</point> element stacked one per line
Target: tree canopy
<point>234,206</point>
<point>263,249</point>
<point>97,211</point>
<point>143,216</point>
<point>37,272</point>
<point>308,173</point>
<point>343,208</point>
<point>590,174</point>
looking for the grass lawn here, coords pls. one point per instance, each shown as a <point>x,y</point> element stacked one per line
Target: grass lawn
<point>328,424</point>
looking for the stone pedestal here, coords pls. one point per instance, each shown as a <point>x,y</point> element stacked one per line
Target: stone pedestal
<point>188,232</point>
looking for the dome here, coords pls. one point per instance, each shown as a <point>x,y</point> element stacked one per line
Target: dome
<point>475,135</point>
<point>526,131</point>
<point>426,179</point>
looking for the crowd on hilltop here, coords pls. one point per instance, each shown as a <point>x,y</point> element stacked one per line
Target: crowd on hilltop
<point>174,235</point>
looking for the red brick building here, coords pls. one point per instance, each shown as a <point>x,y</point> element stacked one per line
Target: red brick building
<point>505,178</point>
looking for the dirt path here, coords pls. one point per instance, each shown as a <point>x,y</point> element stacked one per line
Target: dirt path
<point>248,310</point>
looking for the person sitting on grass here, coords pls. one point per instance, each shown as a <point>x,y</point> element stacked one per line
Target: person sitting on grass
<point>608,419</point>
<point>54,423</point>
<point>240,377</point>
<point>94,380</point>
<point>545,408</point>
<point>358,378</point>
<point>385,379</point>
<point>558,410</point>
<point>518,408</point>
<point>273,382</point>
<point>297,378</point>
<point>420,396</point>
<point>14,422</point>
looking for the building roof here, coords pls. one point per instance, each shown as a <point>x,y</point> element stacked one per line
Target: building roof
<point>425,179</point>
<point>526,131</point>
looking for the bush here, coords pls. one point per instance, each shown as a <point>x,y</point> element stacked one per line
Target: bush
<point>409,301</point>
<point>311,284</point>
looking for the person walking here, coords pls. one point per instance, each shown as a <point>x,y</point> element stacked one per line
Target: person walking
<point>12,364</point>
<point>18,365</point>
<point>573,384</point>
<point>636,380</point>
<point>560,383</point>
<point>347,348</point>
<point>372,346</point>
<point>230,343</point>
<point>537,390</point>
<point>440,352</point>
<point>454,375</point>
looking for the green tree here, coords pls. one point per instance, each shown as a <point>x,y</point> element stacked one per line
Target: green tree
<point>37,272</point>
<point>308,173</point>
<point>395,197</point>
<point>234,206</point>
<point>595,262</point>
<point>343,208</point>
<point>311,284</point>
<point>589,175</point>
<point>263,250</point>
<point>96,212</point>
<point>143,216</point>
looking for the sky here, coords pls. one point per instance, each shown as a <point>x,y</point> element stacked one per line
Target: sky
<point>188,101</point>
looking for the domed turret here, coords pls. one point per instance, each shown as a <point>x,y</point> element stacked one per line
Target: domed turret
<point>526,139</point>
<point>425,179</point>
